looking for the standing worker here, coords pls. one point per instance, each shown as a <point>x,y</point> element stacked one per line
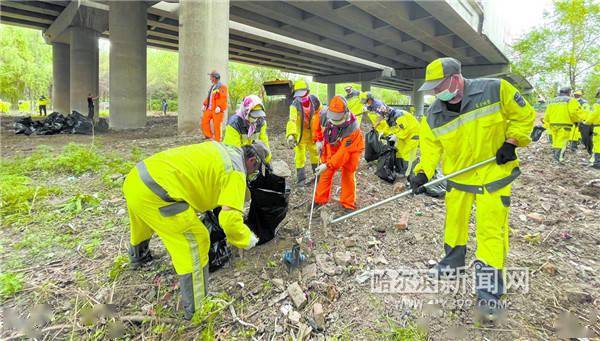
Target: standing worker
<point>164,106</point>
<point>248,125</point>
<point>470,121</point>
<point>562,113</point>
<point>213,107</point>
<point>593,120</point>
<point>304,114</point>
<point>42,102</point>
<point>90,103</point>
<point>354,103</point>
<point>343,144</point>
<point>164,193</point>
<point>585,131</point>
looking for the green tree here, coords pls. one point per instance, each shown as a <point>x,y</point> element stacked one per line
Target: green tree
<point>565,50</point>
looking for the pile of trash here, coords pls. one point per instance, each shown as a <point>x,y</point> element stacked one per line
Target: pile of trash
<point>56,123</point>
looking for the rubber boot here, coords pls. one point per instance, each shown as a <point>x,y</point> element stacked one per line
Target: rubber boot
<point>573,145</point>
<point>489,285</point>
<point>188,299</point>
<point>452,265</point>
<point>556,153</point>
<point>301,176</point>
<point>401,166</point>
<point>596,163</point>
<point>139,254</point>
<point>314,166</point>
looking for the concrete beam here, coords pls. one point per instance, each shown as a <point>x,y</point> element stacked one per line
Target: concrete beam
<point>62,22</point>
<point>354,77</point>
<point>417,98</point>
<point>469,71</point>
<point>365,86</point>
<point>203,47</point>
<point>128,25</point>
<point>61,78</point>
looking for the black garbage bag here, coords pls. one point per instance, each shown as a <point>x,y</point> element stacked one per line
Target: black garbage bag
<point>373,146</point>
<point>101,126</point>
<point>80,124</point>
<point>386,165</point>
<point>536,133</point>
<point>587,133</point>
<point>218,253</point>
<point>52,124</point>
<point>270,197</point>
<point>24,125</point>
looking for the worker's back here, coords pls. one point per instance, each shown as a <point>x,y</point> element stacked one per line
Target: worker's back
<point>562,110</point>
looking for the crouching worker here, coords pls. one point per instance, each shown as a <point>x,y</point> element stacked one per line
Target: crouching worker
<point>341,147</point>
<point>248,125</point>
<point>165,192</point>
<point>403,132</point>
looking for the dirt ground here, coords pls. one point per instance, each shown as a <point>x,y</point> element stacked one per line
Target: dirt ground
<point>555,235</point>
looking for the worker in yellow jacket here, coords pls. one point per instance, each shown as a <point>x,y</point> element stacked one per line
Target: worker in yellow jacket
<point>402,128</point>
<point>355,105</point>
<point>164,194</point>
<point>248,125</point>
<point>375,110</point>
<point>593,120</point>
<point>470,121</point>
<point>562,114</point>
<point>304,113</point>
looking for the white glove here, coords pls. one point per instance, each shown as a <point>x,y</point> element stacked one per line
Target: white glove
<point>319,145</point>
<point>217,110</point>
<point>291,141</point>
<point>253,241</point>
<point>204,108</point>
<point>392,138</point>
<point>321,168</point>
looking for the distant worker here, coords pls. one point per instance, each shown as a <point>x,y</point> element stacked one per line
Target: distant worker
<point>593,120</point>
<point>342,146</point>
<point>561,115</point>
<point>42,102</point>
<point>90,103</point>
<point>354,104</point>
<point>213,107</point>
<point>304,114</point>
<point>165,192</point>
<point>470,121</point>
<point>164,106</point>
<point>248,125</point>
<point>585,131</point>
<point>403,131</point>
<point>375,110</point>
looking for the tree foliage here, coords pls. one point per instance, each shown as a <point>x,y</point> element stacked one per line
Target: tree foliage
<point>564,51</point>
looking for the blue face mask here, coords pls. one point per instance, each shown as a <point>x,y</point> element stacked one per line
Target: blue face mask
<point>446,95</point>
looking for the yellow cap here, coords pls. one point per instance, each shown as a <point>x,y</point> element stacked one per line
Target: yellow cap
<point>301,88</point>
<point>438,70</point>
<point>578,92</point>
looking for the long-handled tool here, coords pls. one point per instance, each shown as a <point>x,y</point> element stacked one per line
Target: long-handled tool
<point>405,193</point>
<point>309,241</point>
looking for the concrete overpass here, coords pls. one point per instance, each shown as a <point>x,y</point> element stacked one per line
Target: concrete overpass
<point>380,43</point>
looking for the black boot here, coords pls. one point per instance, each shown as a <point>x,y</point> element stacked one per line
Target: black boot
<point>401,166</point>
<point>189,296</point>
<point>140,254</point>
<point>300,176</point>
<point>489,285</point>
<point>556,153</point>
<point>452,265</point>
<point>573,145</point>
<point>596,163</point>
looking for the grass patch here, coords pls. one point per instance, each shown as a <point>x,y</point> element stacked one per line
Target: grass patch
<point>10,284</point>
<point>119,265</point>
<point>408,330</point>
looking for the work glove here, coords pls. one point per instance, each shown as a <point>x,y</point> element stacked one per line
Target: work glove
<point>506,153</point>
<point>253,241</point>
<point>291,142</point>
<point>217,110</point>
<point>417,181</point>
<point>321,168</point>
<point>392,138</point>
<point>319,145</point>
<point>204,108</point>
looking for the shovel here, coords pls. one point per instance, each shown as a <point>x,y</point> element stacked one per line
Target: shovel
<point>405,193</point>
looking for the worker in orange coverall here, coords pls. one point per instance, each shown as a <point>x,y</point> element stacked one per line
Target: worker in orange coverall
<point>340,143</point>
<point>213,107</point>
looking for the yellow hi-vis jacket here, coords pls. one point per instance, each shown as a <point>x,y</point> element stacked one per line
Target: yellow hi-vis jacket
<point>203,177</point>
<point>593,120</point>
<point>298,125</point>
<point>406,128</point>
<point>42,101</point>
<point>586,109</point>
<point>563,111</point>
<point>492,111</point>
<point>354,104</point>
<point>236,133</point>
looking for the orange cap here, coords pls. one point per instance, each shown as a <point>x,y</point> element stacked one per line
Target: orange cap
<point>337,108</point>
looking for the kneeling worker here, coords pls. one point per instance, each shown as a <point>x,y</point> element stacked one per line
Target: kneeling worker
<point>248,125</point>
<point>343,144</point>
<point>165,192</point>
<point>403,130</point>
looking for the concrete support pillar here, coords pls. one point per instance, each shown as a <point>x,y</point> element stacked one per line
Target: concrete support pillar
<point>365,86</point>
<point>83,68</point>
<point>330,91</point>
<point>417,98</point>
<point>60,78</point>
<point>203,47</point>
<point>127,78</point>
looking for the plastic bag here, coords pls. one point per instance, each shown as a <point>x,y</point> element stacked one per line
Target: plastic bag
<point>270,197</point>
<point>373,146</point>
<point>536,133</point>
<point>386,165</point>
<point>218,253</point>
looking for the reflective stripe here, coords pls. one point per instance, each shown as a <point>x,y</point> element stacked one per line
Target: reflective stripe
<point>490,187</point>
<point>416,137</point>
<point>198,280</point>
<point>232,157</point>
<point>466,118</point>
<point>151,184</point>
<point>567,125</point>
<point>173,209</point>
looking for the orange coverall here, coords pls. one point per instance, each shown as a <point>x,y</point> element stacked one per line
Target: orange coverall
<point>345,154</point>
<point>216,98</point>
